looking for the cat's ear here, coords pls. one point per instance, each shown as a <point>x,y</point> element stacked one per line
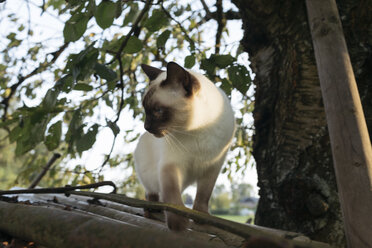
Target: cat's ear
<point>150,71</point>
<point>177,75</point>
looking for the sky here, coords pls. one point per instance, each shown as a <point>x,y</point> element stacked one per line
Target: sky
<point>48,28</point>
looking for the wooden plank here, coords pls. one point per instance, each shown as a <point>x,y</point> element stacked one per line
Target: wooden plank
<point>351,146</point>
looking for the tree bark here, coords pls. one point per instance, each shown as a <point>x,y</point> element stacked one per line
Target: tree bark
<point>298,190</point>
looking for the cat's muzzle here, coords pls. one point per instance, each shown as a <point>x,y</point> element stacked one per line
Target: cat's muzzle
<point>156,132</point>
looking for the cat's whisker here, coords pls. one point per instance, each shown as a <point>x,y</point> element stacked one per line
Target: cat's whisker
<point>179,142</point>
<point>181,132</point>
<point>171,143</point>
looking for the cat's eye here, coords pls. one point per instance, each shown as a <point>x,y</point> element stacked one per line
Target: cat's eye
<point>158,111</point>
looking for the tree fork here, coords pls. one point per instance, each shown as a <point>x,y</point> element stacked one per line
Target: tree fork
<point>351,146</point>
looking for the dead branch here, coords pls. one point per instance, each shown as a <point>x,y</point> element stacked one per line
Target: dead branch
<point>50,227</point>
<point>44,171</point>
<point>243,230</point>
<point>66,190</point>
<point>104,208</point>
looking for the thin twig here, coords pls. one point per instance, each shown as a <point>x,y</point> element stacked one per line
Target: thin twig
<point>119,52</point>
<point>66,190</point>
<point>221,23</point>
<point>228,15</point>
<point>44,171</point>
<point>192,43</point>
<point>108,156</point>
<point>134,26</point>
<point>121,72</point>
<point>42,67</point>
<point>207,11</point>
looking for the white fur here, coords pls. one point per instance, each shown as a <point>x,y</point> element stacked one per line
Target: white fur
<point>201,145</point>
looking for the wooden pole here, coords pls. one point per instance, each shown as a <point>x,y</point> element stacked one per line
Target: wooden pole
<point>351,146</point>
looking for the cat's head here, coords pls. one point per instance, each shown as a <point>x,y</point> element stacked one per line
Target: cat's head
<point>168,99</point>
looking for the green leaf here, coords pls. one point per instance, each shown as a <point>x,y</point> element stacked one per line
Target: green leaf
<point>54,136</point>
<point>73,132</point>
<point>105,72</point>
<point>14,134</point>
<point>87,140</point>
<point>157,20</point>
<point>8,122</point>
<point>134,45</point>
<point>50,99</point>
<point>111,85</point>
<point>162,39</point>
<point>118,9</point>
<point>83,87</point>
<point>75,27</point>
<point>226,86</point>
<point>239,77</point>
<point>189,61</point>
<point>222,61</point>
<point>65,84</point>
<point>131,15</point>
<point>208,66</point>
<point>114,127</point>
<point>31,134</point>
<point>105,14</point>
<point>107,100</point>
<point>81,65</point>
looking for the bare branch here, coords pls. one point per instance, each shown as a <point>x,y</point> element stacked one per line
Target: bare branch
<point>221,23</point>
<point>108,155</point>
<point>180,25</point>
<point>228,15</point>
<point>42,67</point>
<point>243,230</point>
<point>134,27</point>
<point>44,171</point>
<point>205,6</point>
<point>66,190</point>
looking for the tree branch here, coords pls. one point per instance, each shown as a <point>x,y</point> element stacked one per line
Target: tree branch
<point>53,227</point>
<point>42,67</point>
<point>229,15</point>
<point>66,190</point>
<point>121,48</point>
<point>243,230</point>
<point>192,43</point>
<point>44,171</point>
<point>205,6</point>
<point>134,27</point>
<point>221,23</point>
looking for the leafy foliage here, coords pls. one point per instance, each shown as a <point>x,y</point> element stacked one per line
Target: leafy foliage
<point>61,91</point>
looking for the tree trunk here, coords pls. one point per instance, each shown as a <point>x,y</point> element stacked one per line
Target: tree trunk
<point>298,189</point>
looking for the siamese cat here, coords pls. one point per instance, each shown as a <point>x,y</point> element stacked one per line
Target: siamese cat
<point>190,125</point>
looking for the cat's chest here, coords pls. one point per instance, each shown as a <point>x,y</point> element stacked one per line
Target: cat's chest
<point>194,149</point>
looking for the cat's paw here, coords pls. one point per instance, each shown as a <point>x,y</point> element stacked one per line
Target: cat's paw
<point>176,222</point>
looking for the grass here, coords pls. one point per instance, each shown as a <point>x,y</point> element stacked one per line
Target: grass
<point>236,218</point>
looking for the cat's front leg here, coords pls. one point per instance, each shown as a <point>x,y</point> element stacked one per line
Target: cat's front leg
<point>154,197</point>
<point>171,181</point>
<point>205,186</point>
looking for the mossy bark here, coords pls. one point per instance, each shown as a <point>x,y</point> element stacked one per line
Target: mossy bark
<point>297,183</point>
